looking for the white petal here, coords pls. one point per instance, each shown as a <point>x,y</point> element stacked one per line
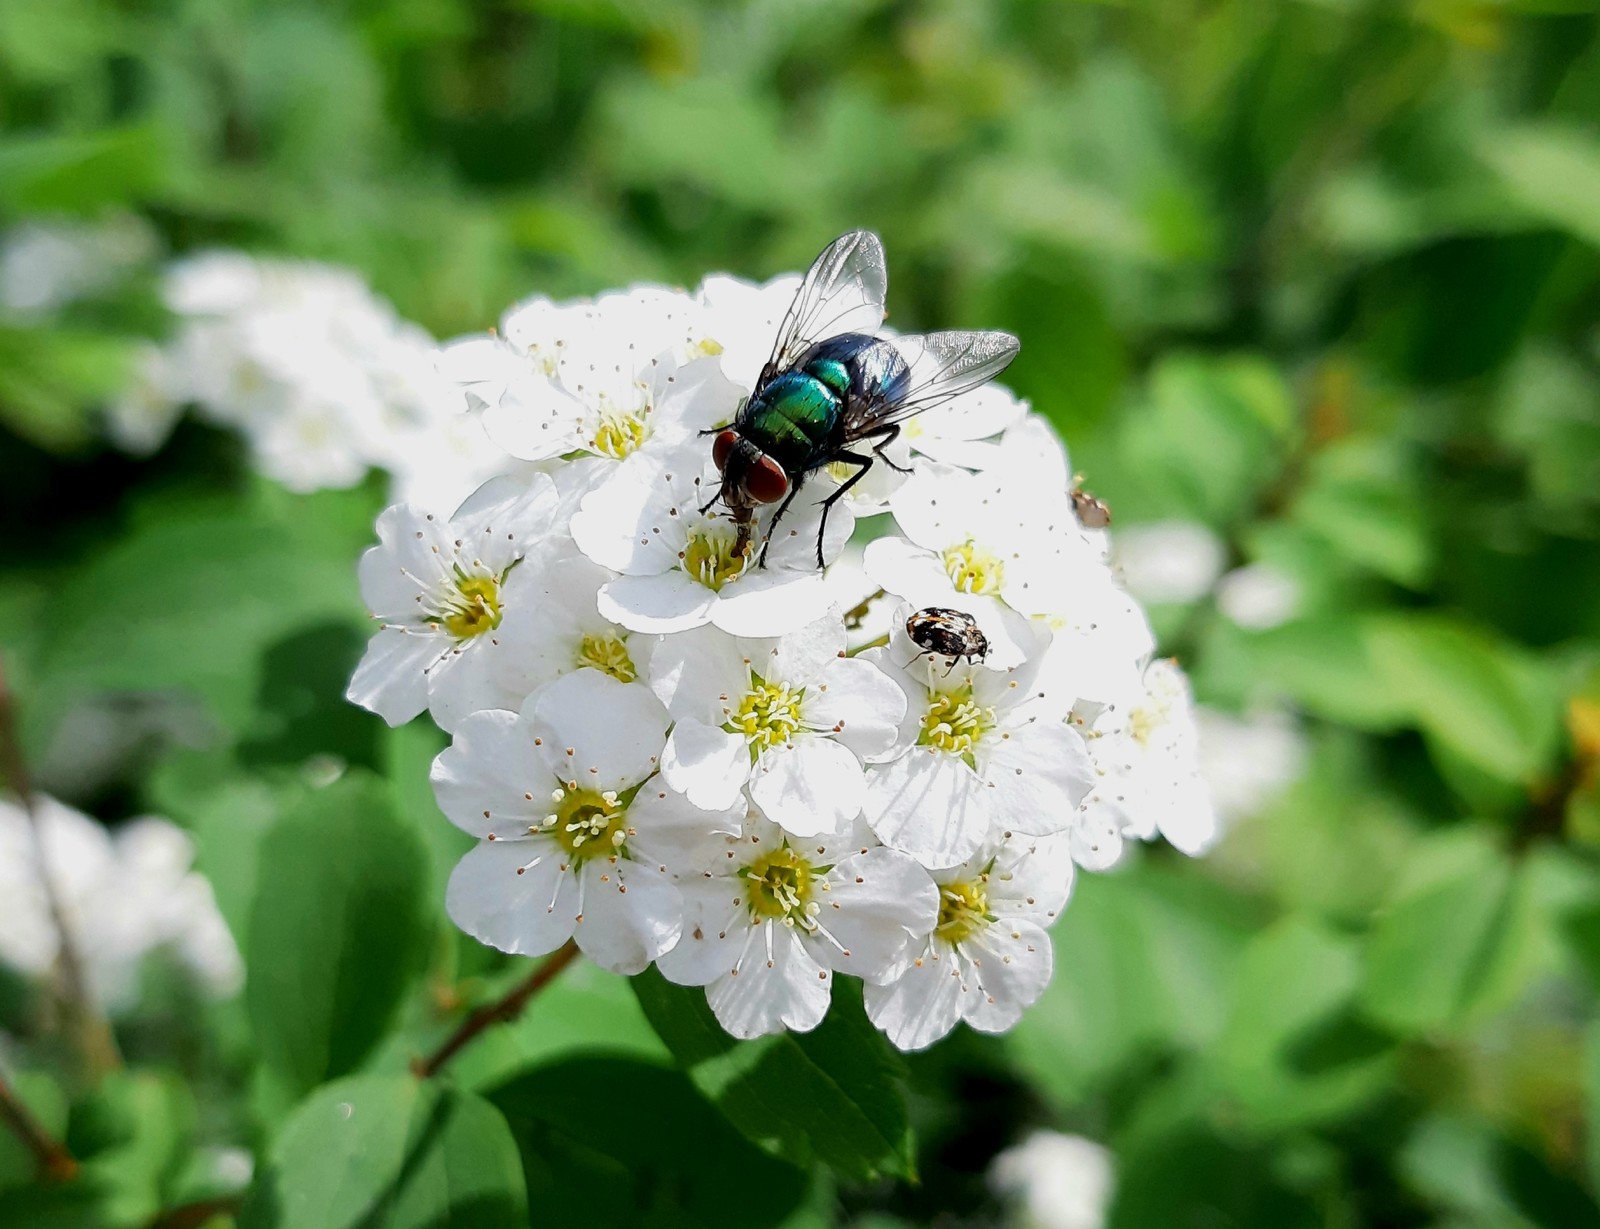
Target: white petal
<point>631,914</point>
<point>923,1003</point>
<point>527,914</point>
<point>808,653</point>
<point>862,704</point>
<point>716,922</point>
<point>599,732</point>
<point>810,786</point>
<point>669,831</point>
<point>392,678</point>
<point>669,602</point>
<point>1038,775</point>
<point>907,571</point>
<point>706,763</point>
<point>877,903</point>
<point>1031,877</point>
<point>483,777</point>
<point>535,419</point>
<point>1010,966</point>
<point>697,674</point>
<point>787,989</point>
<point>771,602</point>
<point>930,805</point>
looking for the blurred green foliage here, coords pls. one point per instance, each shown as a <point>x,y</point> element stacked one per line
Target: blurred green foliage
<point>1324,276</point>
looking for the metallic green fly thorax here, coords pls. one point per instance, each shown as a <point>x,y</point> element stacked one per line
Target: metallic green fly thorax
<point>793,418</point>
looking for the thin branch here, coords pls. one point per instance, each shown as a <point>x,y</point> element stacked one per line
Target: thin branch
<point>193,1215</point>
<point>507,1008</point>
<point>94,1033</point>
<point>55,1162</point>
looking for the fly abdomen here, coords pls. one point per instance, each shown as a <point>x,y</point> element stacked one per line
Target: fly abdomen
<point>858,367</point>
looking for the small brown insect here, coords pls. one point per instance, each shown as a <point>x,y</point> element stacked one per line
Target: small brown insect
<point>941,632</point>
<point>1093,513</point>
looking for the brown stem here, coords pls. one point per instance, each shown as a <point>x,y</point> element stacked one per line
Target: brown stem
<point>507,1008</point>
<point>55,1162</point>
<point>193,1215</point>
<point>93,1032</point>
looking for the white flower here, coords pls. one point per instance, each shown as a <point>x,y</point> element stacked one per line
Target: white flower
<point>769,918</point>
<point>985,755</point>
<point>321,376</point>
<point>678,565</point>
<point>562,797</point>
<point>1259,596</point>
<point>141,417</point>
<point>1058,1181</point>
<point>963,431</point>
<point>125,895</point>
<point>987,958</point>
<point>556,627</point>
<point>45,265</point>
<point>987,544</point>
<point>793,716</point>
<point>1248,761</point>
<point>1147,772</point>
<point>1169,561</point>
<point>742,318</point>
<point>607,378</point>
<point>441,590</point>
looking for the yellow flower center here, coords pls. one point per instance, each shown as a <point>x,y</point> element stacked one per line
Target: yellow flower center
<point>1145,720</point>
<point>768,715</point>
<point>473,608</point>
<point>706,347</point>
<point>972,569</point>
<point>963,909</point>
<point>620,433</point>
<point>711,559</point>
<point>608,652</point>
<point>781,885</point>
<point>955,722</point>
<point>586,823</point>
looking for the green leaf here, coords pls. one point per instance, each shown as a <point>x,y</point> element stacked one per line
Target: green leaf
<point>1460,937</point>
<point>1553,172</point>
<point>835,1093</point>
<point>48,1104</point>
<point>51,379</point>
<point>1144,961</point>
<point>1359,500</point>
<point>339,929</point>
<point>81,172</point>
<point>192,598</point>
<point>1491,704</point>
<point>1292,1053</point>
<point>390,1152</point>
<point>614,1143</point>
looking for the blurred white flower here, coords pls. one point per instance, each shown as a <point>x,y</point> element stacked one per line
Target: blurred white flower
<point>1056,1181</point>
<point>45,265</point>
<point>1147,770</point>
<point>1169,562</point>
<point>769,918</point>
<point>1248,761</point>
<point>1258,596</point>
<point>986,959</point>
<point>125,894</point>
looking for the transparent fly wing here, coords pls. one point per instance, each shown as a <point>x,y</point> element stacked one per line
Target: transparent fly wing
<point>843,292</point>
<point>943,365</point>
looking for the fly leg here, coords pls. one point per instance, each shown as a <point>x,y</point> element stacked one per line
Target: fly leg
<point>854,458</point>
<point>883,439</point>
<point>776,517</point>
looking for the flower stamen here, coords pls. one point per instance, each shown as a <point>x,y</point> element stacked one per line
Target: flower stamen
<point>972,569</point>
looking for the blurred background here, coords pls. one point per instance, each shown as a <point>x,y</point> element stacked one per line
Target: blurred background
<point>1312,292</point>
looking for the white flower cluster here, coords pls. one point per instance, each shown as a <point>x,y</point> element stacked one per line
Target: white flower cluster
<point>752,776</point>
<point>321,377</point>
<point>124,894</point>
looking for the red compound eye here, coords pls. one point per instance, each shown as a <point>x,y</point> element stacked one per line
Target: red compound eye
<point>722,448</point>
<point>765,482</point>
